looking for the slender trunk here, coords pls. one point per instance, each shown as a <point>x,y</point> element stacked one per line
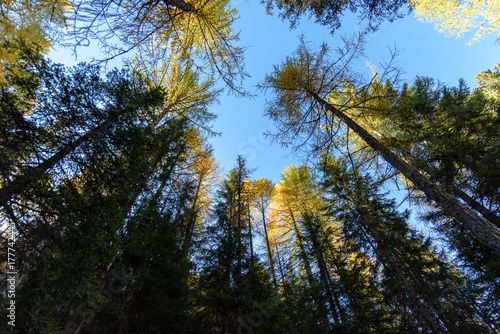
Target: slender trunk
<point>305,259</point>
<point>238,226</point>
<point>289,302</point>
<point>192,216</point>
<point>406,278</point>
<point>481,228</point>
<point>250,237</point>
<point>325,279</point>
<point>343,274</point>
<point>307,265</point>
<point>22,181</point>
<point>396,267</point>
<point>129,200</point>
<point>269,252</point>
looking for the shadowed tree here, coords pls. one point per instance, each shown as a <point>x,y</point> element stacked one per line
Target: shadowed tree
<point>330,13</point>
<point>422,289</point>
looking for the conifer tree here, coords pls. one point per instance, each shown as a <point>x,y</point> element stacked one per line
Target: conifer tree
<point>419,287</point>
<point>197,31</point>
<point>232,287</point>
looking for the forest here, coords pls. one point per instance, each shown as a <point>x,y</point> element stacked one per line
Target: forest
<point>116,217</point>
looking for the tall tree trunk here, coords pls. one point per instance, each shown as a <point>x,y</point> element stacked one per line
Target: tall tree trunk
<point>473,204</point>
<point>333,300</point>
<point>303,254</point>
<point>21,182</point>
<point>250,236</point>
<point>481,228</point>
<point>286,289</point>
<point>192,216</point>
<point>412,295</point>
<point>269,252</point>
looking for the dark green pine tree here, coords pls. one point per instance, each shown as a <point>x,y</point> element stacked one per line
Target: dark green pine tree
<point>451,135</point>
<point>422,291</point>
<point>150,295</point>
<point>340,288</point>
<point>234,291</point>
<point>66,195</point>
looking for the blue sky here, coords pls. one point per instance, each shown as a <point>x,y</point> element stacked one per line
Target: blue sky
<point>422,51</point>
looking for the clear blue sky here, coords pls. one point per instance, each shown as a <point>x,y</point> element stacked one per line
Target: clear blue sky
<point>423,51</point>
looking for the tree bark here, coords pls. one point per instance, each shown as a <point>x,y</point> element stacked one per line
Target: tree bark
<point>481,228</point>
<point>269,252</point>
<point>21,182</point>
<point>485,212</point>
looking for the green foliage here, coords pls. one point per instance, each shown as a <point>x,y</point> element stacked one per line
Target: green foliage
<point>329,13</point>
<point>413,278</point>
<point>452,130</point>
<point>27,25</point>
<point>232,284</point>
<point>109,182</point>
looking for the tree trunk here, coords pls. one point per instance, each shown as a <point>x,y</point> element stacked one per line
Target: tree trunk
<point>475,205</point>
<point>192,217</point>
<point>269,252</point>
<point>481,228</point>
<point>250,237</point>
<point>22,181</point>
<point>307,265</point>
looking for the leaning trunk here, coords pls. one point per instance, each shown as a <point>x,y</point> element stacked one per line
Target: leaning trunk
<point>481,228</point>
<point>21,182</point>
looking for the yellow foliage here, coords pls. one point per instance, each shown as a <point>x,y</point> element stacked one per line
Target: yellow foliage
<point>27,24</point>
<point>455,17</point>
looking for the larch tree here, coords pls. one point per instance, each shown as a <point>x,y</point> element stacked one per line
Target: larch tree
<point>455,18</point>
<point>309,95</point>
<point>28,25</point>
<point>261,194</point>
<point>197,31</point>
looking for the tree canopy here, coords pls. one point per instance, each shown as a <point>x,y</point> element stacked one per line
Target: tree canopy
<point>116,216</point>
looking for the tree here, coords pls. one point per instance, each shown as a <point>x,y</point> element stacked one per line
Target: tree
<point>28,25</point>
<point>231,286</point>
<point>69,216</point>
<point>121,96</point>
<point>298,201</point>
<point>309,95</point>
<point>449,134</point>
<point>261,194</point>
<point>329,13</point>
<point>197,31</point>
<point>428,285</point>
<point>454,18</point>
<point>94,170</point>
